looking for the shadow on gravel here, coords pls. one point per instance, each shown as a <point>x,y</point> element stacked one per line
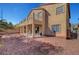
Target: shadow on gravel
<point>17,46</point>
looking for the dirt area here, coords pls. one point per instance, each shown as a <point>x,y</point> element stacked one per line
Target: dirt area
<point>21,45</point>
<point>71,47</point>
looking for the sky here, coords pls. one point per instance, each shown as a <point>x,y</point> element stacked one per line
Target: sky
<point>74,11</point>
<point>15,12</point>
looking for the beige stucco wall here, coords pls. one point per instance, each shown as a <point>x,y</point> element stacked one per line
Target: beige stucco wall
<point>52,19</point>
<point>56,19</point>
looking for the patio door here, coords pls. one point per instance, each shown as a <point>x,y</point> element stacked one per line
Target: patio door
<point>37,30</point>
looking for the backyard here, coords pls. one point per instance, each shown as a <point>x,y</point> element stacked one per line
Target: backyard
<point>21,45</point>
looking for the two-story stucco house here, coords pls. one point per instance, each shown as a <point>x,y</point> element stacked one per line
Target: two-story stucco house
<point>48,20</point>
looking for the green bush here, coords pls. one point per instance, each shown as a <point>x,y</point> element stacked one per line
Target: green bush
<point>5,25</point>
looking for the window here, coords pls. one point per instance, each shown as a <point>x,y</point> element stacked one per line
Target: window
<point>59,10</point>
<point>37,16</point>
<point>40,14</point>
<point>56,28</point>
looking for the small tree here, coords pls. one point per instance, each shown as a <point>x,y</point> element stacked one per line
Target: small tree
<point>5,25</point>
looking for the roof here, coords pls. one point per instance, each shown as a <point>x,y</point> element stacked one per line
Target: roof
<point>43,4</point>
<point>21,24</point>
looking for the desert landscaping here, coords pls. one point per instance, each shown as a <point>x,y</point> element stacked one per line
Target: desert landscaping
<point>46,30</point>
<point>14,44</point>
<point>26,46</point>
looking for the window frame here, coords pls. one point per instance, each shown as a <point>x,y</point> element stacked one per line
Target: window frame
<point>56,28</point>
<point>37,15</point>
<point>61,10</point>
<point>41,14</point>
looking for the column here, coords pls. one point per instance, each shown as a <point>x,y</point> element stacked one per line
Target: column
<point>26,30</point>
<point>20,30</point>
<point>43,23</point>
<point>33,26</point>
<point>33,31</point>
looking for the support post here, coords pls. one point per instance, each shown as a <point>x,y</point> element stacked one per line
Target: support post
<point>33,32</point>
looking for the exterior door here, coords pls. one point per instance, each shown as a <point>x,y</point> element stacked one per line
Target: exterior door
<point>37,30</point>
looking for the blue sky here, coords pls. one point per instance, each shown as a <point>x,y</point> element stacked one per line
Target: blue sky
<point>74,10</point>
<point>16,12</point>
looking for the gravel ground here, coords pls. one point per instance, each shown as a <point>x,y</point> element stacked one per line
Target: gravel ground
<point>17,46</point>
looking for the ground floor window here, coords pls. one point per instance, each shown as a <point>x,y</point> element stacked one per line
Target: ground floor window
<point>56,28</point>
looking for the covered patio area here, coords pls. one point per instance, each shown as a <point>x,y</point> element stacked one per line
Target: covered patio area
<point>32,30</point>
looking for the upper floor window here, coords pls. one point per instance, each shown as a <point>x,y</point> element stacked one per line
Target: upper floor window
<point>36,16</point>
<point>39,15</point>
<point>59,10</point>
